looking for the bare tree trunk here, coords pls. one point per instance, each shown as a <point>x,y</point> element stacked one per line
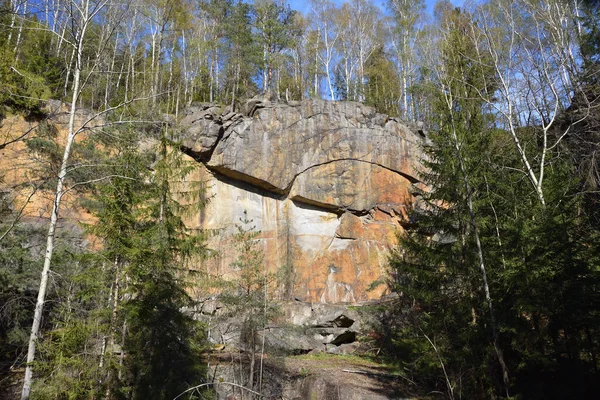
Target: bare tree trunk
<point>252,359</point>
<point>266,77</point>
<point>122,353</point>
<point>18,42</point>
<point>216,86</point>
<point>39,306</point>
<point>235,85</point>
<point>316,75</point>
<point>108,74</point>
<point>156,78</point>
<point>85,15</point>
<point>262,346</point>
<point>68,74</point>
<point>185,70</point>
<point>212,79</point>
<point>449,385</point>
<point>14,9</point>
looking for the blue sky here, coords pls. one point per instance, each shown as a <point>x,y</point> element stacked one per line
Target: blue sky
<point>302,5</point>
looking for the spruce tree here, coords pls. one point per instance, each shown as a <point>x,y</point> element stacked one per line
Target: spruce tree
<point>243,55</point>
<point>541,263</point>
<point>445,265</point>
<point>246,298</point>
<point>163,341</point>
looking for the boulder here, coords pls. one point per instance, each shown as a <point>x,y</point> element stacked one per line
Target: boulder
<point>289,340</point>
<point>203,128</point>
<point>334,336</point>
<point>299,328</point>
<point>345,348</point>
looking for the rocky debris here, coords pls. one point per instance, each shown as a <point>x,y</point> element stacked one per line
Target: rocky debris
<point>289,340</point>
<point>302,328</point>
<point>332,336</point>
<point>337,320</point>
<point>58,113</point>
<point>327,326</point>
<point>326,183</point>
<point>320,315</point>
<point>301,355</point>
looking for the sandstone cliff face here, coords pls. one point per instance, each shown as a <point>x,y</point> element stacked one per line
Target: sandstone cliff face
<point>24,171</point>
<point>326,183</point>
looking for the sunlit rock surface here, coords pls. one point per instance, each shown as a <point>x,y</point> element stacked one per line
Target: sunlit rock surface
<point>326,183</point>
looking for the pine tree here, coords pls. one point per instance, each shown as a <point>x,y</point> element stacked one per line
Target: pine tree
<point>382,88</point>
<point>243,55</point>
<point>274,25</point>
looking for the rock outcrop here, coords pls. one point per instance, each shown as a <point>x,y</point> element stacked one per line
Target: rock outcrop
<point>301,345</point>
<point>298,328</point>
<point>326,183</point>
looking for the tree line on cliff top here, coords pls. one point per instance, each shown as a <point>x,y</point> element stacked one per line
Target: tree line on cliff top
<point>498,271</point>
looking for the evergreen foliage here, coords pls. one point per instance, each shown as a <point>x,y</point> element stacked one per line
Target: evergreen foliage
<point>243,53</point>
<point>542,285</point>
<point>17,280</point>
<point>163,341</point>
<point>30,73</point>
<point>382,88</point>
<point>130,296</point>
<point>246,297</point>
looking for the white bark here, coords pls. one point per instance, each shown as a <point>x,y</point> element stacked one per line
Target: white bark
<point>39,306</point>
<point>86,12</point>
<point>322,11</point>
<point>532,48</point>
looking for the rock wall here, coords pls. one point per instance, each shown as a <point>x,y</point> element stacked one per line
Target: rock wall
<point>23,171</point>
<point>326,183</point>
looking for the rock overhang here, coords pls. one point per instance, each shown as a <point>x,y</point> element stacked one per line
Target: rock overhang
<point>322,173</point>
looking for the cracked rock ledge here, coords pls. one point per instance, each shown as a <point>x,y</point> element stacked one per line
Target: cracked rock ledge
<point>328,185</point>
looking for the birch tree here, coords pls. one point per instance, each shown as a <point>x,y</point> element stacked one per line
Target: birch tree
<point>404,32</point>
<point>446,263</point>
<point>359,25</point>
<point>459,78</point>
<point>322,14</point>
<point>82,15</point>
<point>368,37</point>
<point>532,46</point>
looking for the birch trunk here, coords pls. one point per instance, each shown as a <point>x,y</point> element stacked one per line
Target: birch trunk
<point>39,306</point>
<point>86,12</point>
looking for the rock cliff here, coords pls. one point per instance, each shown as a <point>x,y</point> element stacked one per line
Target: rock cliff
<point>326,183</point>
